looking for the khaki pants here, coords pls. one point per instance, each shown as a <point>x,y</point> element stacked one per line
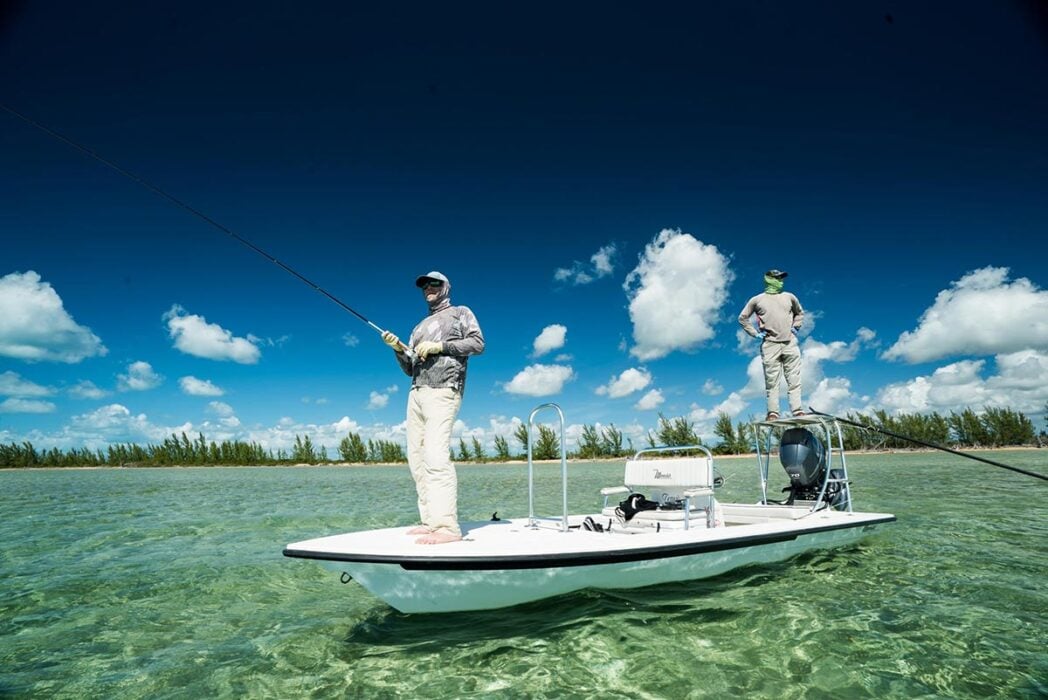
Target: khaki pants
<point>782,358</point>
<point>431,415</point>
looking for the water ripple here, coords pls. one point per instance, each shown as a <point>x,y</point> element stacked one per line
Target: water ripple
<point>170,583</point>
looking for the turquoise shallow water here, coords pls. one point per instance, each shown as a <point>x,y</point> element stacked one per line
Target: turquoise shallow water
<point>170,583</point>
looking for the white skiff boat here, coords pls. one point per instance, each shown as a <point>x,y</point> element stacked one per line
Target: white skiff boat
<point>669,527</point>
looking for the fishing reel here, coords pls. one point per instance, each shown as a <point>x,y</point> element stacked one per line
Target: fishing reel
<point>803,456</point>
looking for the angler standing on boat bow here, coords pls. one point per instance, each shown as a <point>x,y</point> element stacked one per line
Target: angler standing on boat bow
<point>442,343</point>
<point>779,315</point>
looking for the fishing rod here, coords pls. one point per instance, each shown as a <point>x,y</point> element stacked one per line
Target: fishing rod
<point>929,444</point>
<point>195,212</point>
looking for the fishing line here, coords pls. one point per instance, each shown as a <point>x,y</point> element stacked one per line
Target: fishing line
<point>930,444</point>
<point>195,212</point>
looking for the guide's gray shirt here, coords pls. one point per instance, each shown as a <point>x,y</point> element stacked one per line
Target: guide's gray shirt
<point>777,316</point>
<point>457,328</point>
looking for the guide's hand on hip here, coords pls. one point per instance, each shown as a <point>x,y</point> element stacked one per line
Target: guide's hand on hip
<point>391,340</point>
<point>427,348</point>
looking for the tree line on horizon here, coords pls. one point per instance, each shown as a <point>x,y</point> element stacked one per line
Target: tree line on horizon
<point>995,427</point>
<point>181,451</point>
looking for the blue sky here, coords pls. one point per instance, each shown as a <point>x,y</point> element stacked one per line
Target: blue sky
<point>603,186</point>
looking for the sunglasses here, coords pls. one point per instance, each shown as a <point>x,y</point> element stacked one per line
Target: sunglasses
<point>432,284</point>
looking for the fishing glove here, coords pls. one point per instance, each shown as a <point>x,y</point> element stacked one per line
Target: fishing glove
<point>391,340</point>
<point>427,348</point>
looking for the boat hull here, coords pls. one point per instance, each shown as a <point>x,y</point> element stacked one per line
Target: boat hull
<point>510,563</point>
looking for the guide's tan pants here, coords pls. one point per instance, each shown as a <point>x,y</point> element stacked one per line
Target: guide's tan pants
<point>431,415</point>
<point>779,358</point>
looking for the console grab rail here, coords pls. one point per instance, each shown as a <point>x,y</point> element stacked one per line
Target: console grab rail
<point>532,522</point>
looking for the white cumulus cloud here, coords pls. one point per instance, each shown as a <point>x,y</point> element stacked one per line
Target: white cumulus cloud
<point>711,388</point>
<point>650,401</point>
<point>831,395</point>
<point>676,293</point>
<point>329,435</point>
<point>34,325</point>
<point>733,405</point>
<point>601,264</point>
<point>19,405</point>
<point>380,399</point>
<point>706,418</point>
<point>1020,383</point>
<point>540,380</point>
<point>220,409</point>
<point>115,423</point>
<point>983,313</point>
<point>603,260</point>
<point>193,335</point>
<point>629,381</point>
<point>87,390</point>
<point>827,394</point>
<point>140,377</point>
<point>501,425</point>
<point>13,384</point>
<point>226,415</point>
<point>551,338</point>
<point>199,387</point>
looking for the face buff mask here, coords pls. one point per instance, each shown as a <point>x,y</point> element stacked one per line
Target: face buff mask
<point>772,285</point>
<point>443,299</point>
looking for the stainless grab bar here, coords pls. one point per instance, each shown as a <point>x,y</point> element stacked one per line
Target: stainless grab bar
<point>532,523</point>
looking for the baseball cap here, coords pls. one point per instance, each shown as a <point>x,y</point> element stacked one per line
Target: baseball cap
<point>434,275</point>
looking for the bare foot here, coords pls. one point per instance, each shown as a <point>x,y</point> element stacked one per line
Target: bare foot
<point>419,530</point>
<point>438,538</point>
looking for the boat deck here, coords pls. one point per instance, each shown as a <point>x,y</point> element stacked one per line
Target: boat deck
<point>512,544</point>
<point>503,563</point>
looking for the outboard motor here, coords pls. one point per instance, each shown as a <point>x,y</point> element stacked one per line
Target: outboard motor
<point>804,459</point>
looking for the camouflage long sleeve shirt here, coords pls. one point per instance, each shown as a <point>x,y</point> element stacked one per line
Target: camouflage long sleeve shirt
<point>457,328</point>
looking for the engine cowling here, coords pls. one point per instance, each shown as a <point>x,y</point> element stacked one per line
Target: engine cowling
<point>803,457</point>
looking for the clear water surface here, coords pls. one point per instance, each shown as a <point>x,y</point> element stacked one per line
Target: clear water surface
<point>159,583</point>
